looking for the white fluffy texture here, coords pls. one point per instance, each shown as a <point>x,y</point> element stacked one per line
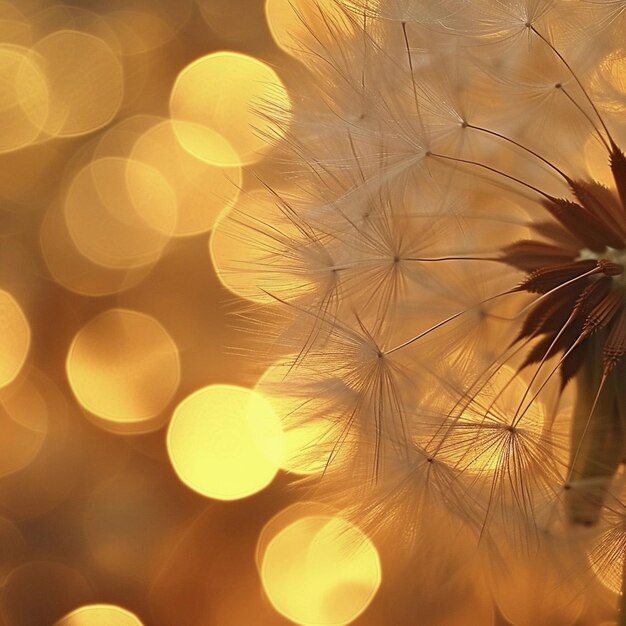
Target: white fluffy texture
<point>378,257</point>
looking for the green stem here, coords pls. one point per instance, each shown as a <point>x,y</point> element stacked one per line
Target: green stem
<point>597,442</point>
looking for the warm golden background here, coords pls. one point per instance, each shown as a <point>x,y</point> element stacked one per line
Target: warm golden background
<point>131,471</point>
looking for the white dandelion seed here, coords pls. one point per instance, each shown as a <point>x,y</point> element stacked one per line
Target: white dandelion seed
<point>447,272</point>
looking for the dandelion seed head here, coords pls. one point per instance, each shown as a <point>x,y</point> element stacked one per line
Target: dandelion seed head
<point>445,254</point>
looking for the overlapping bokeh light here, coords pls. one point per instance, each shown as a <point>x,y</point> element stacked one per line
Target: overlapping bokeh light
<point>120,213</point>
<point>320,570</point>
<point>164,450</point>
<point>85,82</point>
<point>201,190</point>
<point>224,95</point>
<point>25,104</point>
<point>128,128</point>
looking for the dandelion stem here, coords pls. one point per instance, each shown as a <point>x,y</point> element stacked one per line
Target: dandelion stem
<point>596,439</point>
<point>587,116</point>
<point>521,147</point>
<point>491,169</point>
<point>448,319</point>
<point>377,260</point>
<point>517,417</point>
<point>571,71</point>
<point>414,86</point>
<point>451,258</point>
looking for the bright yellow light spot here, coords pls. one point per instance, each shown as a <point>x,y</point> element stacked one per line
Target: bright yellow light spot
<point>86,82</point>
<point>124,367</point>
<point>320,571</point>
<point>205,143</point>
<point>285,517</point>
<point>306,439</point>
<point>226,93</point>
<point>236,252</point>
<point>225,442</point>
<point>202,190</point>
<point>251,263</point>
<point>14,338</point>
<point>120,213</point>
<point>24,97</point>
<point>100,615</point>
<point>290,21</point>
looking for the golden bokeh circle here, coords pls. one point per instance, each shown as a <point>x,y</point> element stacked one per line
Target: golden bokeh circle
<point>306,439</point>
<point>24,97</point>
<point>290,514</point>
<point>320,570</point>
<point>236,253</point>
<point>100,615</point>
<point>86,82</point>
<point>72,270</point>
<point>24,415</point>
<point>225,442</point>
<point>53,18</point>
<point>202,190</point>
<point>14,339</point>
<point>124,367</point>
<point>291,21</point>
<point>120,213</point>
<point>255,262</point>
<point>227,96</point>
<point>119,139</point>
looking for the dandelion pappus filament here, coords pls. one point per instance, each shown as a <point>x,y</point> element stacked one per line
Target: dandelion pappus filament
<point>455,328</point>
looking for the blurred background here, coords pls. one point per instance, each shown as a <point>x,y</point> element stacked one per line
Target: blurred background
<point>142,479</point>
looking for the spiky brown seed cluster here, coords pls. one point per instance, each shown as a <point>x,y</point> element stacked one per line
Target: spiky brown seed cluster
<point>577,274</point>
